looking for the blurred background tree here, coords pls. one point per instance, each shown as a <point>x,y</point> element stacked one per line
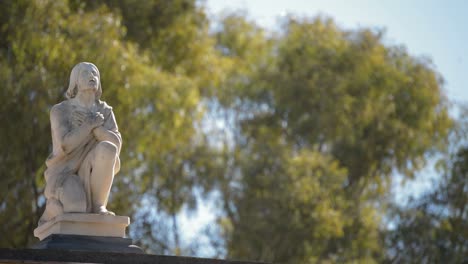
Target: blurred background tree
<point>295,135</point>
<point>322,128</point>
<point>434,227</point>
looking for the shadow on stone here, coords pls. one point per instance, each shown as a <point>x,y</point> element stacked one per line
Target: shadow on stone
<point>88,243</point>
<point>55,256</point>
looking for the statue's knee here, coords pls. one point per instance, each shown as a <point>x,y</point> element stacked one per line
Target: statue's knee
<point>106,149</point>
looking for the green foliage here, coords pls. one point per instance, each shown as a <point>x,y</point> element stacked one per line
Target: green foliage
<point>297,133</point>
<point>295,200</point>
<point>344,97</point>
<point>157,110</point>
<point>434,228</point>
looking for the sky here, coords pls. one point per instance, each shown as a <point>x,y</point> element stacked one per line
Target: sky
<point>434,29</point>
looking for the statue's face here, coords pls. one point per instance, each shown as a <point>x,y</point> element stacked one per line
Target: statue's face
<point>88,78</point>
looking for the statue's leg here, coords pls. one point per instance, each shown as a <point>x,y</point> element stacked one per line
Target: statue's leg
<point>72,195</point>
<point>102,175</point>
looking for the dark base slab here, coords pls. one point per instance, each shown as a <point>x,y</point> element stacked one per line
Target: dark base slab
<point>88,243</point>
<point>35,256</point>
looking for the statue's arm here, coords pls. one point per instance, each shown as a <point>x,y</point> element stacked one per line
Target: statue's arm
<point>112,134</point>
<point>67,136</point>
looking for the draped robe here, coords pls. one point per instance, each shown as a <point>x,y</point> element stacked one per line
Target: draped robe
<point>74,165</point>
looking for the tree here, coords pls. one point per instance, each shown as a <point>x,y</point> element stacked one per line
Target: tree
<point>296,133</point>
<point>320,132</point>
<point>159,109</point>
<point>434,228</point>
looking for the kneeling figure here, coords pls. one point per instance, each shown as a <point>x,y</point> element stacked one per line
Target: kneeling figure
<point>86,146</point>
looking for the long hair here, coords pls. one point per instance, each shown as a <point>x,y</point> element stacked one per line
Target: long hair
<point>75,73</point>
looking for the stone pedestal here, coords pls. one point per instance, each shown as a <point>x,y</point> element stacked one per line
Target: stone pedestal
<point>88,243</point>
<point>86,232</point>
<point>85,225</point>
<point>37,256</point>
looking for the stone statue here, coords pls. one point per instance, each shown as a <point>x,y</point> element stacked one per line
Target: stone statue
<point>86,146</point>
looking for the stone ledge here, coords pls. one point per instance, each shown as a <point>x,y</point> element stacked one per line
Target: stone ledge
<point>88,243</point>
<point>37,256</point>
<point>84,224</point>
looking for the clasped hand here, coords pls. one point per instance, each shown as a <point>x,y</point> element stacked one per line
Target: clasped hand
<point>91,119</point>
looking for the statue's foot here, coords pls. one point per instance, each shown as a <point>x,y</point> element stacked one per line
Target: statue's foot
<point>103,211</point>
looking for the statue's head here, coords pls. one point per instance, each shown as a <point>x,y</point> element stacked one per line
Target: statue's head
<point>84,75</point>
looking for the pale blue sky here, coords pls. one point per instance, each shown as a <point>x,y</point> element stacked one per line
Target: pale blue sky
<point>436,29</point>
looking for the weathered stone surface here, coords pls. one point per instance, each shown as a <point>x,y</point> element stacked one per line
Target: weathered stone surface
<point>88,243</point>
<point>86,144</point>
<point>84,224</point>
<point>68,256</point>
